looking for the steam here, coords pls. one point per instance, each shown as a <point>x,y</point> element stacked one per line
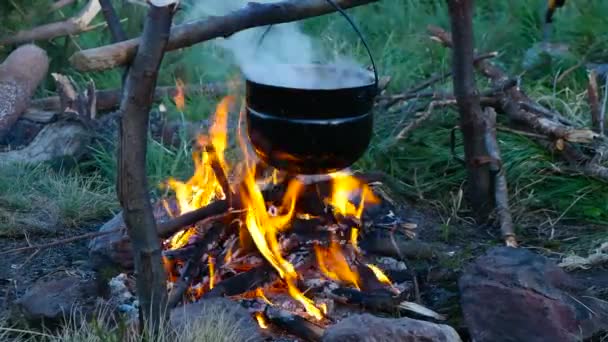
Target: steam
<point>267,56</point>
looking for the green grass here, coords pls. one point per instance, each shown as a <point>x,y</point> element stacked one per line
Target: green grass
<point>39,199</point>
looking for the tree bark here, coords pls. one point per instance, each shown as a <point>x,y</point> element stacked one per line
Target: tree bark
<point>472,123</point>
<point>184,35</point>
<point>132,182</point>
<point>20,74</point>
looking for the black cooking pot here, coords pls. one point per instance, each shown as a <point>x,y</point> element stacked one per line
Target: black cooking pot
<point>310,119</point>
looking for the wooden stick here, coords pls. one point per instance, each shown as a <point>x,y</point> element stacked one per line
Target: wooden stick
<point>132,180</point>
<point>184,35</point>
<point>57,5</point>
<point>70,26</point>
<point>118,34</point>
<point>472,121</point>
<point>422,118</point>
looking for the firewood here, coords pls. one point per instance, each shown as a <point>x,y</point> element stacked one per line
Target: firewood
<point>70,26</point>
<point>184,35</point>
<point>45,109</point>
<point>20,74</point>
<point>294,324</point>
<point>397,246</point>
<point>244,282</point>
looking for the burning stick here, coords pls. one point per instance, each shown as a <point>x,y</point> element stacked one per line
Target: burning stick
<point>243,282</point>
<point>294,324</point>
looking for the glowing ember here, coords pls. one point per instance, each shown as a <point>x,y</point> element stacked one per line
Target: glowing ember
<point>179,98</point>
<point>260,294</point>
<point>333,264</point>
<point>379,274</point>
<point>261,320</point>
<point>354,234</point>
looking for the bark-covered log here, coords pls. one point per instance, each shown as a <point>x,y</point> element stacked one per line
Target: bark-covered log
<point>184,35</point>
<point>20,74</point>
<point>44,109</point>
<point>132,181</point>
<point>73,25</point>
<point>118,34</point>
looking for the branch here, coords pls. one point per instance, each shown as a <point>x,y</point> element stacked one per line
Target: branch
<point>184,35</point>
<point>57,5</point>
<point>118,34</point>
<point>472,122</point>
<point>109,99</point>
<point>132,181</point>
<point>73,25</point>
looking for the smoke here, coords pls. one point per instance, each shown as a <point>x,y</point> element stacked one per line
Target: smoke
<point>266,56</point>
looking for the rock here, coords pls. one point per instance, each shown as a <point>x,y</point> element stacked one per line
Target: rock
<point>368,328</point>
<point>113,252</point>
<point>215,319</point>
<point>48,303</point>
<point>512,294</point>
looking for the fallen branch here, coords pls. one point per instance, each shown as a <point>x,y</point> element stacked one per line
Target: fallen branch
<point>422,118</point>
<point>44,109</point>
<point>118,34</point>
<point>184,35</point>
<point>70,26</point>
<point>57,5</point>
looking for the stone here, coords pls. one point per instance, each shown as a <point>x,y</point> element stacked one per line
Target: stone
<point>219,319</point>
<point>513,294</point>
<point>369,328</point>
<point>48,303</point>
<point>114,251</point>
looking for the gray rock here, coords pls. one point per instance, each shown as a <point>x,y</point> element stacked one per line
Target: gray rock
<point>218,319</point>
<point>368,328</point>
<point>49,303</point>
<point>512,294</point>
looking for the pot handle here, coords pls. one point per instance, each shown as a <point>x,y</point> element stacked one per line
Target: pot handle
<point>353,25</point>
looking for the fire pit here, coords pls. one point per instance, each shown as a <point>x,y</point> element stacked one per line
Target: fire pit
<point>288,246</point>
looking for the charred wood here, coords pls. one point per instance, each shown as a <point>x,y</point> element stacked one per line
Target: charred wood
<point>294,324</point>
<point>243,282</point>
<point>396,245</point>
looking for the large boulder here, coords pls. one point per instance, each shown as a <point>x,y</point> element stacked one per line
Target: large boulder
<point>368,328</point>
<point>513,294</point>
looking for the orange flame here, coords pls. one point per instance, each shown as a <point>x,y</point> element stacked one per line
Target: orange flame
<point>261,320</point>
<point>354,234</point>
<point>383,278</point>
<point>263,229</point>
<point>343,186</point>
<point>333,264</point>
<point>260,294</point>
<point>211,272</point>
<point>179,98</point>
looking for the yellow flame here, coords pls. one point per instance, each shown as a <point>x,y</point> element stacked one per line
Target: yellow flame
<point>383,278</point>
<point>333,264</point>
<point>211,272</point>
<point>323,308</point>
<point>179,98</point>
<point>260,294</point>
<point>263,230</point>
<point>354,234</point>
<point>261,320</point>
<point>343,186</point>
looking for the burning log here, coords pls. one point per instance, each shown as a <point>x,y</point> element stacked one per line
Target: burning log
<point>132,181</point>
<point>78,23</point>
<point>243,282</point>
<point>294,324</point>
<point>184,35</point>
<point>20,74</point>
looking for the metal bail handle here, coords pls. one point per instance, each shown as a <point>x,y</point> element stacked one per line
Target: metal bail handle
<point>353,25</point>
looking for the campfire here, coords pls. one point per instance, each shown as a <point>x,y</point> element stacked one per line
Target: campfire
<point>287,246</point>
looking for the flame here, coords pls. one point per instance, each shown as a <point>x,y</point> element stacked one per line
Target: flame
<point>211,272</point>
<point>263,229</point>
<point>354,234</point>
<point>261,320</point>
<point>383,278</point>
<point>343,186</point>
<point>179,98</point>
<point>333,264</point>
<point>323,308</point>
<point>260,294</point>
